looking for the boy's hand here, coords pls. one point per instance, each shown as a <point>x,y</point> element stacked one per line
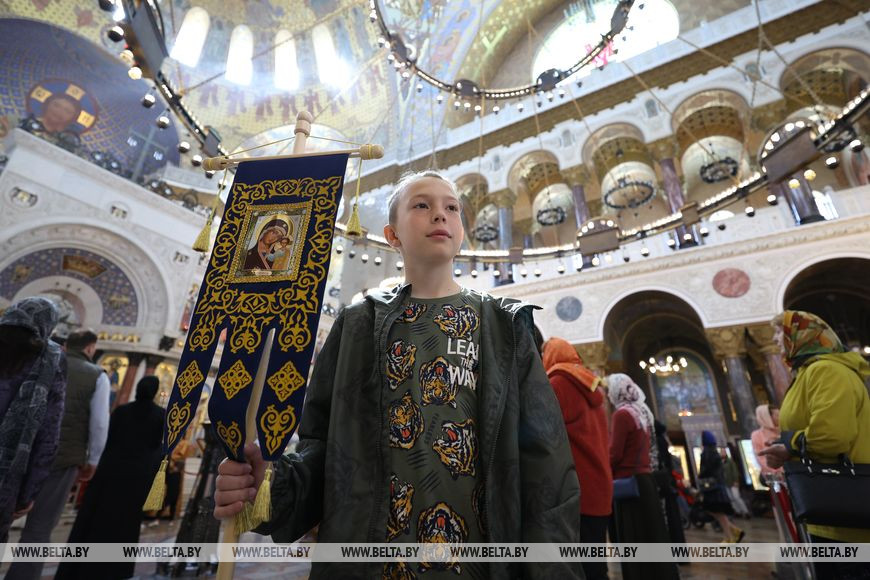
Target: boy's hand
<point>238,482</point>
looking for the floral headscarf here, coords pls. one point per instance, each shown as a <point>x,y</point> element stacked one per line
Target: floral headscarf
<point>625,394</point>
<point>806,334</point>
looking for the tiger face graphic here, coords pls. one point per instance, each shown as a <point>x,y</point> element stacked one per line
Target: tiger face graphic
<point>398,571</point>
<point>457,447</point>
<point>441,524</point>
<point>400,362</point>
<point>478,504</point>
<point>401,499</point>
<point>457,321</point>
<point>406,422</point>
<point>435,383</point>
<point>412,312</point>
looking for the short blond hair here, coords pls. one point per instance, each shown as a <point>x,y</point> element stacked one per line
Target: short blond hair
<point>409,179</point>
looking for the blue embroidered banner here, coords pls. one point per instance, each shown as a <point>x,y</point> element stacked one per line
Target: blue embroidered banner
<point>267,270</point>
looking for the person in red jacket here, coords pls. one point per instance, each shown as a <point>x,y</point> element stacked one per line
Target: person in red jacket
<point>582,404</point>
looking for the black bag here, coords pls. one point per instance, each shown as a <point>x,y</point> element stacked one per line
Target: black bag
<point>707,484</point>
<point>625,488</point>
<point>828,494</point>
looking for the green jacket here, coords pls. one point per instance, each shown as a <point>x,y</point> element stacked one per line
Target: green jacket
<point>828,403</point>
<point>338,477</point>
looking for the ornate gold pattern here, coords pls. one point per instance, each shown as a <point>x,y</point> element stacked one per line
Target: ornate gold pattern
<point>286,381</point>
<point>235,379</point>
<point>252,309</point>
<point>275,425</point>
<point>189,379</point>
<point>231,435</point>
<point>176,420</point>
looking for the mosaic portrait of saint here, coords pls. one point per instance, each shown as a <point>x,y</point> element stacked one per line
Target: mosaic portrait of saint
<point>61,106</point>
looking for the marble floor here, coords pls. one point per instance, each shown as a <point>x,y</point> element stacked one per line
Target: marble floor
<point>757,530</point>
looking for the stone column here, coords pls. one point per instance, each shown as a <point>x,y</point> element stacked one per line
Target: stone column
<point>801,201</point>
<point>675,198</point>
<point>151,362</point>
<point>729,345</point>
<point>779,372</point>
<point>581,211</point>
<point>134,359</point>
<point>504,201</point>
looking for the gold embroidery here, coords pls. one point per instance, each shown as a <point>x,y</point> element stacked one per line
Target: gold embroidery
<point>231,435</point>
<point>189,379</point>
<point>286,381</point>
<point>176,420</point>
<point>234,379</point>
<point>275,426</point>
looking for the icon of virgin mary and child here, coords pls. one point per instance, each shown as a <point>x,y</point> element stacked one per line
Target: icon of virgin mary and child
<point>273,247</point>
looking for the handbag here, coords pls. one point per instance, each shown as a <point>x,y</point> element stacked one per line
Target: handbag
<point>828,494</point>
<point>706,484</point>
<point>626,487</point>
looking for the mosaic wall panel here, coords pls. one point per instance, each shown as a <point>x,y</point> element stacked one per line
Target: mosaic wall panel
<point>120,304</point>
<point>70,85</point>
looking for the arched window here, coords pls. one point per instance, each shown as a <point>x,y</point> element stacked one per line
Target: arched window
<point>286,68</point>
<point>191,37</point>
<point>330,68</point>
<point>240,68</point>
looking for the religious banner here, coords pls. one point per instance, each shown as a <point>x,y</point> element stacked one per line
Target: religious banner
<point>267,271</point>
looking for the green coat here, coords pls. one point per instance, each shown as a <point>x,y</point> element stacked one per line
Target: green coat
<point>338,478</point>
<point>828,402</point>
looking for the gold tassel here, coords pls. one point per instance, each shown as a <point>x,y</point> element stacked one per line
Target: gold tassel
<point>263,503</point>
<point>204,237</point>
<point>244,519</point>
<point>154,501</point>
<point>354,229</point>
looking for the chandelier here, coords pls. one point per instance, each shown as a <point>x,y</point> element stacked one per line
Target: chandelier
<point>634,193</point>
<point>719,170</point>
<point>664,367</point>
<point>403,57</point>
<point>485,232</point>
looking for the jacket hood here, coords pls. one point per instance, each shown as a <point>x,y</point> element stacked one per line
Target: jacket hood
<point>560,356</point>
<point>38,315</point>
<point>853,360</point>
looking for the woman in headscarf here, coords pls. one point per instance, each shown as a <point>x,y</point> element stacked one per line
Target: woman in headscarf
<point>632,452</point>
<point>582,404</point>
<point>32,389</point>
<point>112,507</point>
<point>715,498</point>
<point>827,405</point>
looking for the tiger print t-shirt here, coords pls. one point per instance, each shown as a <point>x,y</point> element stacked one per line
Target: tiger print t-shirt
<point>436,484</point>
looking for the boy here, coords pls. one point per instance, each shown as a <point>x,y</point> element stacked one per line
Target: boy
<point>428,418</point>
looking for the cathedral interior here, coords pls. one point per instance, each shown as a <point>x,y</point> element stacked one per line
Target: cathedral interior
<point>661,177</point>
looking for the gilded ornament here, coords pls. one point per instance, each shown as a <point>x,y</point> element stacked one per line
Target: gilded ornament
<point>189,379</point>
<point>234,379</point>
<point>176,420</point>
<point>275,425</point>
<point>231,435</point>
<point>286,381</point>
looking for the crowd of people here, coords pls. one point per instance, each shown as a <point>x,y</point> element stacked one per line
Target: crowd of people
<point>500,455</point>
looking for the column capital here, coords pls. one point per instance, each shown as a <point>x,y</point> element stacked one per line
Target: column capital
<point>666,148</point>
<point>502,198</point>
<point>152,360</point>
<point>727,341</point>
<point>594,355</point>
<point>762,335</point>
<point>577,175</point>
<point>134,358</point>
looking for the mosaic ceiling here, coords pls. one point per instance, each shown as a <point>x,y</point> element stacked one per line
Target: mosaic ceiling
<point>452,39</point>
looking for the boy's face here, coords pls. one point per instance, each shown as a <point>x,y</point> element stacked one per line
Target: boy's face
<point>428,226</point>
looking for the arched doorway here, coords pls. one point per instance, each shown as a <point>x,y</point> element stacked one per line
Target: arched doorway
<point>837,291</point>
<point>659,326</point>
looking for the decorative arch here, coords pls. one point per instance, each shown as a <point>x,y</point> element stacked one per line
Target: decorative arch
<point>778,298</point>
<point>675,294</point>
<point>156,312</point>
